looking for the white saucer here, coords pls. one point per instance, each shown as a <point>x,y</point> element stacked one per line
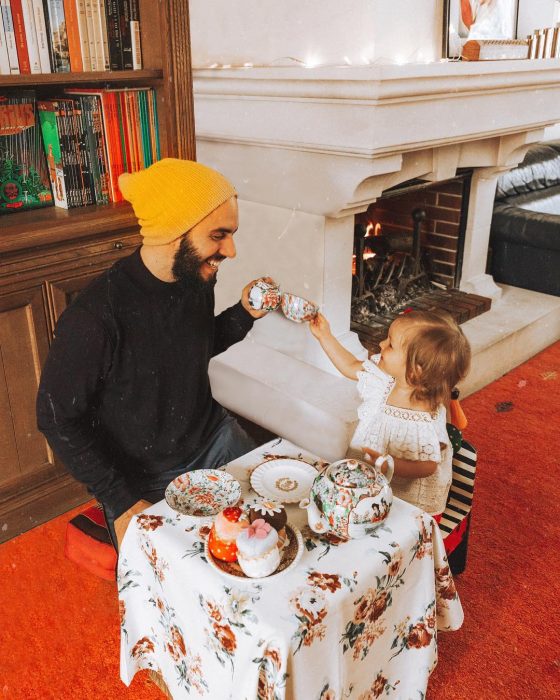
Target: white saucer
<point>284,479</point>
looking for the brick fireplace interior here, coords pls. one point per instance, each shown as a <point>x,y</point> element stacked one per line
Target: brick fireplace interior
<point>407,253</point>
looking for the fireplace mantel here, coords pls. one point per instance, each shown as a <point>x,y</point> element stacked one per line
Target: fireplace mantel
<point>329,139</point>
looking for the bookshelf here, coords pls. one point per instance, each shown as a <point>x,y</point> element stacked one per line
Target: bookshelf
<point>47,255</point>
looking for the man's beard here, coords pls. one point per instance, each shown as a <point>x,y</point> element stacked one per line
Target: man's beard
<point>186,267</point>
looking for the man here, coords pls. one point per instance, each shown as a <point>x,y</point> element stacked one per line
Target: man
<point>125,398</point>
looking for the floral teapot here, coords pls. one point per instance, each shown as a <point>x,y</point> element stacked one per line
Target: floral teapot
<point>349,498</point>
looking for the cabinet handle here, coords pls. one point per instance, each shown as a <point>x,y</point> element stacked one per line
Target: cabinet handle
<point>118,245</point>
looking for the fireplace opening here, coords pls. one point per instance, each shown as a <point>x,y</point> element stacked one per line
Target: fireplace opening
<point>408,249</point>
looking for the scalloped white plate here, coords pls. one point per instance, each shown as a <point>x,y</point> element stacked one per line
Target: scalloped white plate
<point>289,558</point>
<point>284,479</point>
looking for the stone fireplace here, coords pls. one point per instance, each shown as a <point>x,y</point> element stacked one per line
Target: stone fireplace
<point>309,149</point>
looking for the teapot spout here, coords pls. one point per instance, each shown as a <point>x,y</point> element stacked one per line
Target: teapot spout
<point>317,521</point>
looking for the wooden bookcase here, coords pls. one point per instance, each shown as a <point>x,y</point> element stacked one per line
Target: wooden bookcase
<point>48,255</point>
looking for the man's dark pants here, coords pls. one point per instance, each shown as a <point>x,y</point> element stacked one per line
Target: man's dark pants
<point>227,442</point>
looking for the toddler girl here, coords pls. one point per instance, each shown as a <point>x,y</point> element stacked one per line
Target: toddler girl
<point>405,390</point>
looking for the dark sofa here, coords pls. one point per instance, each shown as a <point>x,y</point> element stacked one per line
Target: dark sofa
<point>525,230</point>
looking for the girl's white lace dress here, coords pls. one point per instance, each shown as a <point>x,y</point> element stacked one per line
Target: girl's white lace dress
<point>404,433</point>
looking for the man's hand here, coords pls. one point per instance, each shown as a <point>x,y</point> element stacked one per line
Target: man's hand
<point>320,327</point>
<point>121,523</point>
<point>255,313</point>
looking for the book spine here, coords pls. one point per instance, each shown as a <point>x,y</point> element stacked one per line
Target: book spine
<point>52,56</point>
<point>51,141</point>
<point>8,25</point>
<point>91,34</point>
<point>73,34</point>
<point>31,36</point>
<point>126,39</point>
<point>132,97</point>
<point>155,124</point>
<point>4,60</point>
<point>97,36</point>
<point>101,146</point>
<point>59,40</point>
<point>121,120</point>
<point>104,37</point>
<point>69,152</point>
<point>79,136</point>
<point>87,157</point>
<point>91,149</point>
<point>66,153</point>
<point>42,36</point>
<point>84,38</point>
<point>19,33</point>
<point>135,35</point>
<point>114,35</point>
<point>115,145</point>
<point>145,120</point>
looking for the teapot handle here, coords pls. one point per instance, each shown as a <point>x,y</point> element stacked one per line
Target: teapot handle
<point>390,465</point>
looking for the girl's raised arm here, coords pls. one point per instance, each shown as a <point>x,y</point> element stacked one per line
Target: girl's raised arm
<point>346,363</point>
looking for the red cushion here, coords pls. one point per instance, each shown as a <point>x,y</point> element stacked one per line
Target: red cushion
<point>88,543</point>
<point>454,538</point>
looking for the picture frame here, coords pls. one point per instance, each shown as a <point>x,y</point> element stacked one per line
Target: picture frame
<point>477,19</point>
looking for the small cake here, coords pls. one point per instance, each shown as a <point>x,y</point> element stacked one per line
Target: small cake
<point>272,513</point>
<point>225,529</point>
<point>257,549</point>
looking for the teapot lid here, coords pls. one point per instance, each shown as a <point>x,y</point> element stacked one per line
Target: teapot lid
<point>352,474</point>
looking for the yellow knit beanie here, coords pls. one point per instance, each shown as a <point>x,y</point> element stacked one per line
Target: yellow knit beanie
<point>172,196</point>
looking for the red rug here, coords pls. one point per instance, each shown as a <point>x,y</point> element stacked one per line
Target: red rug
<point>59,631</point>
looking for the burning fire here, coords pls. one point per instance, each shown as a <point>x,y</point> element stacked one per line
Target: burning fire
<point>371,230</point>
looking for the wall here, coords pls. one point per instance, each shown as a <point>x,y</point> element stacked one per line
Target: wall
<point>536,14</point>
<point>265,32</point>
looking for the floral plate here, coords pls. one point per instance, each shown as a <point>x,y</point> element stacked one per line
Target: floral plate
<point>284,479</point>
<point>289,557</point>
<point>203,493</point>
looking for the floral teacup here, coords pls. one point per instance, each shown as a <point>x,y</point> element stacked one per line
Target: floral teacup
<point>297,308</point>
<point>264,295</point>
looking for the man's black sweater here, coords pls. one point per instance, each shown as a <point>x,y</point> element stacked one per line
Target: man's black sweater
<point>125,391</point>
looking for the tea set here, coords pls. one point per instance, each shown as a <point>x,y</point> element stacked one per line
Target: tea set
<point>348,499</point>
<point>266,296</point>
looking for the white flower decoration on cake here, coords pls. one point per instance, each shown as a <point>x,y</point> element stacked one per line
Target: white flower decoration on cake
<point>268,507</point>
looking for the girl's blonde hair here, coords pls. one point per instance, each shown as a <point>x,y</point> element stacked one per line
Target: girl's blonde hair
<point>437,355</point>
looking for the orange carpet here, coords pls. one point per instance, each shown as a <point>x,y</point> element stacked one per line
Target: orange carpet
<point>59,632</point>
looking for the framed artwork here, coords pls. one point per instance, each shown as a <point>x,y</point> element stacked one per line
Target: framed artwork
<point>477,19</point>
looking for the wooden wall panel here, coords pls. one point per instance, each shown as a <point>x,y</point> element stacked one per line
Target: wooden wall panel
<point>23,343</point>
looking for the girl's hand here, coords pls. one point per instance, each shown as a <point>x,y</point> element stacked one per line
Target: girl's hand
<point>370,455</point>
<point>320,327</point>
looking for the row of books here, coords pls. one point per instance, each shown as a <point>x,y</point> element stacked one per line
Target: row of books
<point>70,150</point>
<point>58,36</point>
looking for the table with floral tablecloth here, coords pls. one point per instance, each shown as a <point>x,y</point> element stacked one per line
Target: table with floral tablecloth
<point>355,619</point>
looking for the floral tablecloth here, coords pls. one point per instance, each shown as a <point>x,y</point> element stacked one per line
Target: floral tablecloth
<point>355,619</point>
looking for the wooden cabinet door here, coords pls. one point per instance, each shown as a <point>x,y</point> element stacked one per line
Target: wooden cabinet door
<point>62,292</point>
<point>25,457</point>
